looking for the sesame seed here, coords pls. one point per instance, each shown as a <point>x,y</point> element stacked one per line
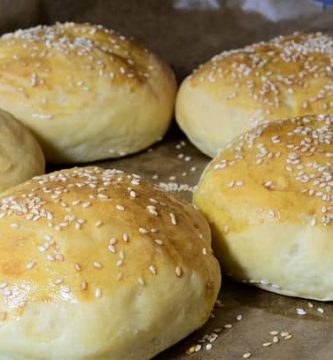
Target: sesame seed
<point>300,311</point>
<point>119,276</point>
<point>59,257</point>
<point>77,267</point>
<point>275,339</point>
<point>98,293</point>
<point>143,230</point>
<point>247,355</point>
<point>268,184</point>
<point>208,347</point>
<point>97,265</point>
<point>178,271</point>
<point>120,263</point>
<point>111,248</point>
<point>284,333</point>
<point>173,219</point>
<point>197,348</point>
<point>266,344</point>
<point>31,264</point>
<point>48,238</point>
<point>41,249</point>
<point>152,269</point>
<point>84,285</point>
<point>113,241</point>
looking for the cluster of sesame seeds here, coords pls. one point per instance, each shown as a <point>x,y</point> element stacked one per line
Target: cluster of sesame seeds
<point>176,187</point>
<point>207,342</point>
<point>184,161</point>
<point>302,312</point>
<point>300,149</point>
<point>271,73</point>
<point>66,201</point>
<point>91,49</point>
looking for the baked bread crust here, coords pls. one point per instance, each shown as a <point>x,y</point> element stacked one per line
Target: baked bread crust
<point>269,199</point>
<point>86,92</point>
<point>100,264</point>
<point>238,89</point>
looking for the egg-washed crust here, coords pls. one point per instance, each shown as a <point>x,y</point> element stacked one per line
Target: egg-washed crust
<point>285,77</point>
<point>78,88</point>
<point>268,196</point>
<point>287,73</point>
<point>78,234</point>
<point>283,171</point>
<point>93,260</point>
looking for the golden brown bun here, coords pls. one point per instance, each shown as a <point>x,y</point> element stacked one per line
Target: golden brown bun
<point>99,264</point>
<point>269,199</point>
<point>21,157</point>
<point>86,92</point>
<point>234,91</point>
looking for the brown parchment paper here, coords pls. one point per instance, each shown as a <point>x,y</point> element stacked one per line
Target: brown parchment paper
<point>186,33</point>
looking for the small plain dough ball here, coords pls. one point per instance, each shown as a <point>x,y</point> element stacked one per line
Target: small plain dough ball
<point>21,157</point>
<point>269,199</point>
<point>87,93</point>
<point>236,90</point>
<point>99,264</point>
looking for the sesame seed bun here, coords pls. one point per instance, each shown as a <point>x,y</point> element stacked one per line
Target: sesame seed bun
<point>236,90</point>
<point>269,199</point>
<point>21,157</point>
<point>99,264</point>
<point>86,92</point>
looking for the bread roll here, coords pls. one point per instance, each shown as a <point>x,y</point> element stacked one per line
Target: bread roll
<point>236,90</point>
<point>99,264</point>
<point>86,92</point>
<point>269,199</point>
<point>21,157</point>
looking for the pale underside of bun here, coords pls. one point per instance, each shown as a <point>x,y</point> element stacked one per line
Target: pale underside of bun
<point>269,199</point>
<point>99,264</point>
<point>86,92</point>
<point>238,89</point>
